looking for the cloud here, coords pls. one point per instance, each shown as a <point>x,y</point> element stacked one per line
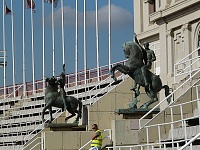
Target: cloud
<point>120,17</point>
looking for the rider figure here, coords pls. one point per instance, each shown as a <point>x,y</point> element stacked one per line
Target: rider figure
<point>148,58</point>
<point>61,82</point>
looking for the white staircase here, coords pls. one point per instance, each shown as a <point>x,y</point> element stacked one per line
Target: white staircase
<point>170,129</point>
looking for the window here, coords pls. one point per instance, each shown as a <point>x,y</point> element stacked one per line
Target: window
<point>198,43</point>
<point>152,6</point>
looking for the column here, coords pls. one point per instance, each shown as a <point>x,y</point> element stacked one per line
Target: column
<point>164,62</point>
<point>186,38</point>
<point>170,49</point>
<point>145,14</point>
<point>138,9</point>
<point>163,53</point>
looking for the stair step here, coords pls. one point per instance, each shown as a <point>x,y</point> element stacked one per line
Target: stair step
<point>179,133</point>
<point>194,147</point>
<point>196,143</point>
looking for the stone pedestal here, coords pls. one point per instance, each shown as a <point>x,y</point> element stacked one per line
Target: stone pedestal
<point>134,113</point>
<point>64,127</point>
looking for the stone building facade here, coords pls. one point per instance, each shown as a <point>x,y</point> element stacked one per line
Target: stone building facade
<point>175,25</point>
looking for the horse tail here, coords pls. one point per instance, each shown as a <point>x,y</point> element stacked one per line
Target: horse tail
<point>80,108</point>
<point>166,87</point>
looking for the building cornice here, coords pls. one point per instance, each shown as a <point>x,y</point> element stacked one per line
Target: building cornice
<point>172,10</point>
<point>148,33</point>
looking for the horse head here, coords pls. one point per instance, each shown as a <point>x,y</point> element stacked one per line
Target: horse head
<point>127,46</point>
<point>134,53</point>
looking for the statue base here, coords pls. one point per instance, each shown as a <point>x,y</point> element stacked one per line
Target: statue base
<point>64,127</point>
<point>134,113</point>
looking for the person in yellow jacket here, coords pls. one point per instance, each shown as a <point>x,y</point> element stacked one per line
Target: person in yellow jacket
<point>97,138</point>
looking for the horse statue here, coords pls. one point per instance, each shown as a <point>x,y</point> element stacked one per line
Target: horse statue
<point>54,98</point>
<point>134,55</point>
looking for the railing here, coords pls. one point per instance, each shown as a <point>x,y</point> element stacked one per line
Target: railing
<point>83,78</point>
<point>107,88</point>
<point>92,97</point>
<point>165,99</point>
<point>39,143</point>
<point>9,128</point>
<point>190,142</point>
<point>182,135</point>
<point>109,136</point>
<point>30,136</point>
<point>187,65</point>
<point>150,146</point>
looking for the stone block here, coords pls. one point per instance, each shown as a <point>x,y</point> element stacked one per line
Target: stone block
<point>53,140</point>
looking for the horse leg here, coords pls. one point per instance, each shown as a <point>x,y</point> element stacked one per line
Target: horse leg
<point>43,111</point>
<point>72,115</point>
<point>166,87</point>
<point>78,116</point>
<point>152,95</point>
<point>122,68</point>
<point>50,114</point>
<point>112,72</point>
<point>134,86</point>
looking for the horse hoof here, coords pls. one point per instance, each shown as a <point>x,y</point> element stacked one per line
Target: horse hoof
<point>133,89</point>
<point>144,107</point>
<point>76,122</point>
<point>66,119</point>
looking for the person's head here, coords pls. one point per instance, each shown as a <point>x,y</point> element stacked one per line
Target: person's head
<point>94,127</point>
<point>146,45</point>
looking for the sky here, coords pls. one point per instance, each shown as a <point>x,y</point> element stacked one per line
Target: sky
<point>121,31</point>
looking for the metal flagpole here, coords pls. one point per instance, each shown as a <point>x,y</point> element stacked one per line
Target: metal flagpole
<point>4,47</point>
<point>32,43</point>
<point>63,32</point>
<point>53,46</point>
<point>97,39</point>
<point>76,45</point>
<point>84,39</point>
<point>109,35</point>
<point>13,49</point>
<point>23,51</point>
<point>43,47</point>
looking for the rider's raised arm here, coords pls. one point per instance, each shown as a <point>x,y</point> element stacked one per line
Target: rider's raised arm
<point>135,39</point>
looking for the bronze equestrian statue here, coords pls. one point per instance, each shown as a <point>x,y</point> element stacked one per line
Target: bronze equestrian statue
<point>59,99</point>
<point>135,55</point>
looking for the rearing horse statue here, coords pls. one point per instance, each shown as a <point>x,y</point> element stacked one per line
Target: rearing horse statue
<point>134,54</point>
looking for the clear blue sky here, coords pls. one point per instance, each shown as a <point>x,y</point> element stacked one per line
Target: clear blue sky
<point>121,31</point>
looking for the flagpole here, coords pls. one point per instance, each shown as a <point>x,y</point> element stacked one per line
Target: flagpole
<point>63,37</point>
<point>97,39</point>
<point>53,46</point>
<point>109,35</point>
<point>13,49</point>
<point>4,47</point>
<point>23,55</point>
<point>76,45</point>
<point>32,42</point>
<point>43,47</point>
<point>84,39</point>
